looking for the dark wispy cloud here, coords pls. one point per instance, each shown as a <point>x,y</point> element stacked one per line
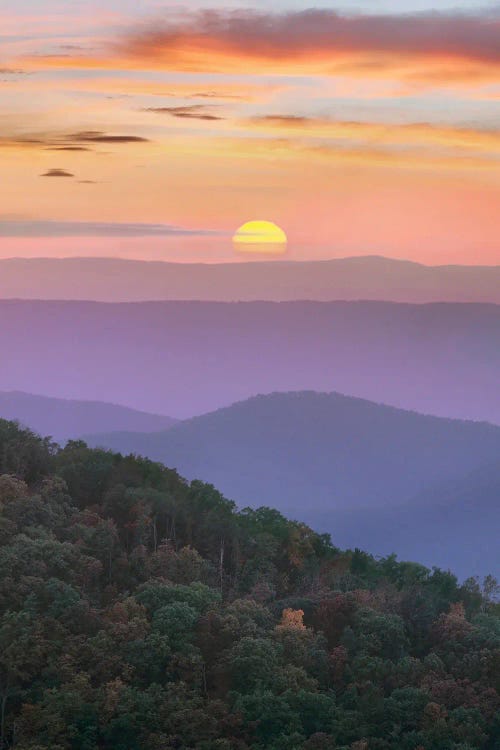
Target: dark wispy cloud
<point>57,173</point>
<point>215,95</point>
<point>12,72</point>
<point>284,120</point>
<point>209,35</point>
<point>34,228</point>
<point>96,136</point>
<point>68,148</point>
<point>190,112</point>
<point>80,141</point>
<point>186,93</point>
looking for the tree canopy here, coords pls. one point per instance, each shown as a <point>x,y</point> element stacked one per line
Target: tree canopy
<point>138,610</point>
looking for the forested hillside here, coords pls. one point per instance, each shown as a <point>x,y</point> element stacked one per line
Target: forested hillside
<point>138,610</point>
<point>383,479</point>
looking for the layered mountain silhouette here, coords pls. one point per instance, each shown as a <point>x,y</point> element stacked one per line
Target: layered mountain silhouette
<point>374,476</point>
<point>65,418</point>
<point>188,358</point>
<point>453,524</point>
<point>369,277</point>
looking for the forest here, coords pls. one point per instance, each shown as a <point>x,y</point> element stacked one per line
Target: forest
<point>139,610</point>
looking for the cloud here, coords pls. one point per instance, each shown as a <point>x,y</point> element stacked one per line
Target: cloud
<point>34,228</point>
<point>80,141</point>
<point>315,35</point>
<point>57,173</point>
<point>231,92</point>
<point>21,142</point>
<point>361,152</point>
<point>216,95</point>
<point>288,120</point>
<point>427,49</point>
<point>68,148</point>
<point>12,72</point>
<point>381,133</point>
<point>142,83</point>
<point>96,136</point>
<point>191,112</point>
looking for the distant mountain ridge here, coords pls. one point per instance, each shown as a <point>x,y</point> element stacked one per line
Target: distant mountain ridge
<point>67,418</point>
<point>362,471</point>
<point>454,524</point>
<point>329,447</point>
<point>354,278</point>
<point>188,358</point>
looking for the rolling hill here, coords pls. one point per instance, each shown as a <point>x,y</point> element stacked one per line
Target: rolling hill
<point>452,524</point>
<point>188,358</point>
<point>64,418</point>
<point>374,476</point>
<point>368,277</point>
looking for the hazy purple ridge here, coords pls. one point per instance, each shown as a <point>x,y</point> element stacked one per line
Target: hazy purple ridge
<point>188,358</point>
<point>370,277</point>
<point>65,418</point>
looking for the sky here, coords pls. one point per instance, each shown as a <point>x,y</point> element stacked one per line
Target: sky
<point>154,130</point>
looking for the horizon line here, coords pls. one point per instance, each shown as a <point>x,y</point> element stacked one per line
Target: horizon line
<point>236,262</point>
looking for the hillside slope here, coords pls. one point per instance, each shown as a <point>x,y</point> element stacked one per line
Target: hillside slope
<point>452,524</point>
<point>138,610</point>
<point>345,465</point>
<point>66,418</point>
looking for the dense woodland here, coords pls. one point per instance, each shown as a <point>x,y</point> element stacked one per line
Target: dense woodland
<point>142,611</point>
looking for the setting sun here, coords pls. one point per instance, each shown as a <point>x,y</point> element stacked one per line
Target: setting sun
<point>260,237</point>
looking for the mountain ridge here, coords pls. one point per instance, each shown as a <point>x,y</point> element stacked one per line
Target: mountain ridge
<point>369,474</point>
<point>69,418</point>
<point>188,358</point>
<point>351,278</point>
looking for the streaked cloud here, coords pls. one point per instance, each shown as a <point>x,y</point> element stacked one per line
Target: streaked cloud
<point>190,112</point>
<point>315,38</point>
<point>360,153</point>
<point>68,148</point>
<point>144,83</point>
<point>12,72</point>
<point>419,49</point>
<point>95,136</point>
<point>79,141</point>
<point>57,173</point>
<point>34,228</point>
<point>382,133</point>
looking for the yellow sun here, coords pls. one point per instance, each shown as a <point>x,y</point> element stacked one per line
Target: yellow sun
<point>260,237</point>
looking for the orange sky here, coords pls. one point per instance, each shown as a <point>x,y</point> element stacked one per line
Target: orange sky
<point>353,138</point>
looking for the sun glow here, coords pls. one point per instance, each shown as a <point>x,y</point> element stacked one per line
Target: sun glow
<point>263,237</point>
